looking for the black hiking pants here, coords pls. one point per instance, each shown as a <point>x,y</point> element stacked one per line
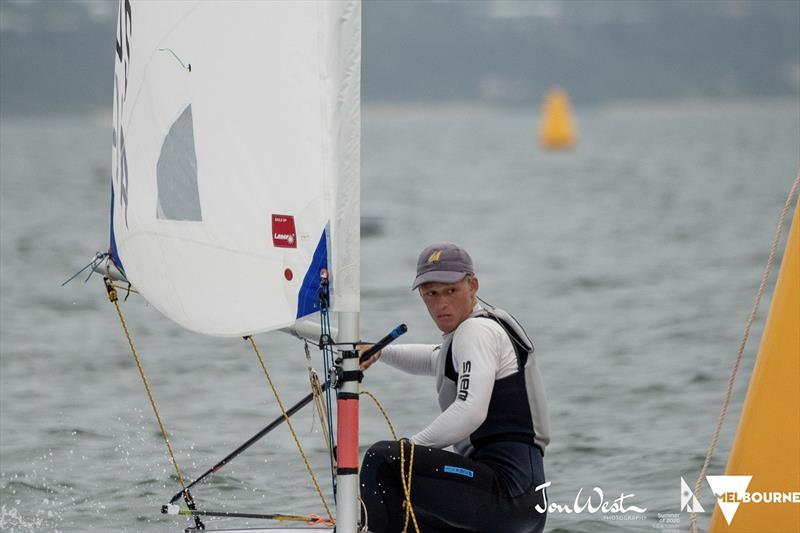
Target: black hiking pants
<point>451,493</point>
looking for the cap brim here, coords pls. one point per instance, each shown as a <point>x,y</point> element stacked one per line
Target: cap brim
<point>438,276</point>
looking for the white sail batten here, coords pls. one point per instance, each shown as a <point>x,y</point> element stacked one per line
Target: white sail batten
<point>236,159</point>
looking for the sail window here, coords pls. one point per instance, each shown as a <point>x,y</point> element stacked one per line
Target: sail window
<point>178,197</point>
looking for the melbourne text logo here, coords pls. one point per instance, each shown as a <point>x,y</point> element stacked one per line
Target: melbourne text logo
<point>732,491</point>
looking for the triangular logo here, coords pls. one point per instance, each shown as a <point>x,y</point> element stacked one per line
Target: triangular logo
<point>435,257</point>
<point>722,485</point>
<point>689,501</point>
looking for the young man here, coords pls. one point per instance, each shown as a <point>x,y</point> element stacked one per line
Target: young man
<point>494,415</point>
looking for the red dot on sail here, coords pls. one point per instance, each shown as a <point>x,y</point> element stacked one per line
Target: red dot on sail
<point>288,274</point>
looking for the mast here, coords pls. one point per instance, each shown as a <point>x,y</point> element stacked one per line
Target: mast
<point>343,42</point>
<point>347,509</point>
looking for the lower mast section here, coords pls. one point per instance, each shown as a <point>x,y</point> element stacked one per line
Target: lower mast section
<point>347,506</point>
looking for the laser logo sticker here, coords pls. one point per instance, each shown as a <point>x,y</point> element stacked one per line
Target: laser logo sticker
<point>283,231</point>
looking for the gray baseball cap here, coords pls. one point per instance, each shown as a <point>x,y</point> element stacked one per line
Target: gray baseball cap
<point>442,263</point>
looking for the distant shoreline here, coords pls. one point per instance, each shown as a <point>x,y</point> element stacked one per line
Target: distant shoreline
<point>461,107</point>
<point>417,109</point>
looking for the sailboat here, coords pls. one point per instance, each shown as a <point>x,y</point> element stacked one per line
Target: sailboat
<point>235,182</point>
<point>765,456</point>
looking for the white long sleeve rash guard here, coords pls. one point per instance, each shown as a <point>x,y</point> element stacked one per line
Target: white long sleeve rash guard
<point>487,349</point>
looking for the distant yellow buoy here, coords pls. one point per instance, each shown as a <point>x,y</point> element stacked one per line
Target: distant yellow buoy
<point>556,129</point>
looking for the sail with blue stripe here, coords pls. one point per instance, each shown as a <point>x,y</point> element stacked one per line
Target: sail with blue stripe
<point>233,187</point>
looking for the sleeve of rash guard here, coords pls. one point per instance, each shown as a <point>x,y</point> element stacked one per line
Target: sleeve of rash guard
<point>412,358</point>
<point>475,355</point>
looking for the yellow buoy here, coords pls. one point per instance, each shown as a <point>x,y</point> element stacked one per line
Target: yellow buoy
<point>767,443</point>
<point>556,130</point>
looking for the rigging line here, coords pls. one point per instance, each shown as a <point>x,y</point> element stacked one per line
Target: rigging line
<point>289,424</point>
<point>252,440</point>
<point>91,273</point>
<point>365,525</point>
<point>739,356</point>
<point>322,413</point>
<point>325,344</point>
<point>382,410</point>
<point>112,296</point>
<point>406,480</point>
<point>319,405</point>
<point>332,344</point>
<point>129,289</point>
<point>327,356</point>
<point>311,519</point>
<point>407,485</point>
<point>94,262</point>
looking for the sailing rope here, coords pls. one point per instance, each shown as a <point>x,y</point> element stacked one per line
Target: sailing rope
<point>382,410</point>
<point>319,404</point>
<point>735,370</point>
<point>112,296</point>
<point>127,289</point>
<point>405,480</point>
<point>407,485</point>
<point>291,427</point>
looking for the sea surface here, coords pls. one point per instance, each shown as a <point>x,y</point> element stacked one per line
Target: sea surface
<point>633,260</point>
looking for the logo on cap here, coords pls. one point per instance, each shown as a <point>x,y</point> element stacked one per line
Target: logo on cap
<point>435,257</point>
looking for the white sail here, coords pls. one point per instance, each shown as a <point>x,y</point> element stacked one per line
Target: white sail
<point>236,159</point>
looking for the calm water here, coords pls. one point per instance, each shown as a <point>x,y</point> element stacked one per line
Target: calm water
<point>633,260</point>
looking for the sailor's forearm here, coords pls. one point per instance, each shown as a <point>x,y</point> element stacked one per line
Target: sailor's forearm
<point>412,358</point>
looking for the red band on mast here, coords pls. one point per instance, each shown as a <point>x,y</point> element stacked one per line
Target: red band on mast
<point>347,433</point>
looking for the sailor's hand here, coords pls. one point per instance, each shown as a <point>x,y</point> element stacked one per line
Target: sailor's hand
<point>371,361</point>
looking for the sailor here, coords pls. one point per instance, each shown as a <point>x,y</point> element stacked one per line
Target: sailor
<point>494,415</point>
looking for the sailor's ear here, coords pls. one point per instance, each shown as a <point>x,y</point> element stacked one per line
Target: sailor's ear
<point>473,283</point>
